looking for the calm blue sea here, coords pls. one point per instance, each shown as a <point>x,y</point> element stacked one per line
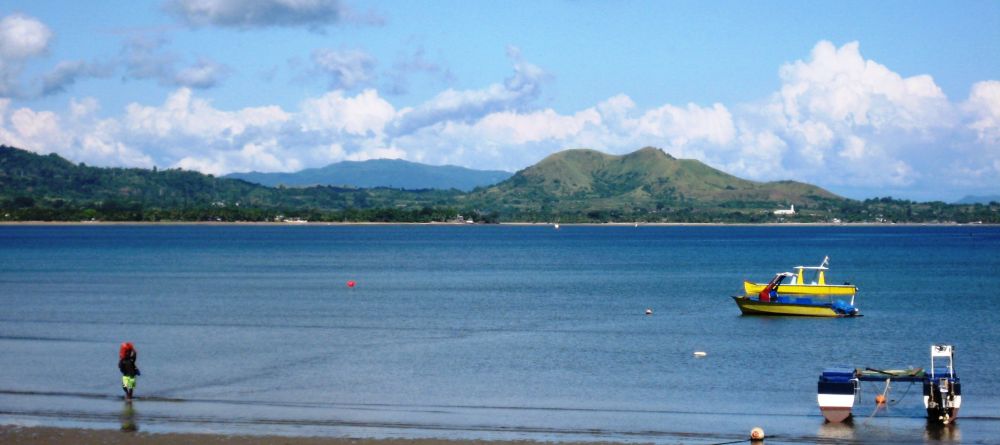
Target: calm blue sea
<point>492,332</point>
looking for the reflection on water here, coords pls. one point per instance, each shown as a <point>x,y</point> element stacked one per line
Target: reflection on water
<point>839,431</point>
<point>945,433</point>
<point>888,429</point>
<point>128,418</point>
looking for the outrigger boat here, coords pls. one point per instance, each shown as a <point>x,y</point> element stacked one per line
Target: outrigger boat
<point>798,284</point>
<point>839,388</point>
<point>769,302</point>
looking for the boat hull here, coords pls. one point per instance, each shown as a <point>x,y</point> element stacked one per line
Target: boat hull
<point>836,392</point>
<point>942,405</point>
<point>810,289</point>
<point>755,307</point>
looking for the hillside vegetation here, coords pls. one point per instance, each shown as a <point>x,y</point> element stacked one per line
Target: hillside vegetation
<point>647,185</point>
<point>570,186</point>
<point>48,187</point>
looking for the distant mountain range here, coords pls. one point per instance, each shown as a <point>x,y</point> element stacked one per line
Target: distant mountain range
<point>395,173</point>
<point>578,185</point>
<point>975,199</point>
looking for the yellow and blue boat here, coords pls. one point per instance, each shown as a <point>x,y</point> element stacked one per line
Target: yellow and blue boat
<point>799,285</point>
<point>770,302</point>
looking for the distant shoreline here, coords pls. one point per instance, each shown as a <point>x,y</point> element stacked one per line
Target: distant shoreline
<point>526,224</point>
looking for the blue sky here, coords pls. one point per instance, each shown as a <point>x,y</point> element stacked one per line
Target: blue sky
<point>863,98</point>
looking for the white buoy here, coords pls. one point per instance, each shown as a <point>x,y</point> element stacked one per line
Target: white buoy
<point>700,353</point>
<point>757,434</point>
<point>649,311</point>
<point>556,226</point>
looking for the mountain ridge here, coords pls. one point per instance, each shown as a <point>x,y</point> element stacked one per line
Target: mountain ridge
<point>394,173</point>
<point>978,199</point>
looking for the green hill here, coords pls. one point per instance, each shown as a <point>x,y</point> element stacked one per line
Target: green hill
<point>48,187</point>
<point>646,184</point>
<point>569,186</point>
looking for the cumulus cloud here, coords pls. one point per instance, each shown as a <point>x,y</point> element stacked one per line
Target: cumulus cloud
<point>843,114</point>
<point>838,120</point>
<point>21,39</point>
<point>839,85</point>
<point>344,69</point>
<point>24,38</point>
<point>983,106</point>
<point>80,136</point>
<point>364,114</point>
<point>183,114</point>
<point>682,126</point>
<point>246,14</point>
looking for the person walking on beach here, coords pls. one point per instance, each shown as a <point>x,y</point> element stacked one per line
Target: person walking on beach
<point>126,364</point>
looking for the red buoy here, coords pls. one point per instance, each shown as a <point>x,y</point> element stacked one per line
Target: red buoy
<point>351,283</point>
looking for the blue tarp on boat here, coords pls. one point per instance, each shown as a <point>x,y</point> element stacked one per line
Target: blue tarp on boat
<point>837,375</point>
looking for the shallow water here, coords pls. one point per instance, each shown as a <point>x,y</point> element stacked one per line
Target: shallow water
<point>486,331</point>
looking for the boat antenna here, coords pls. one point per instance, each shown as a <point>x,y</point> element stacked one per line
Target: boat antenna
<point>826,260</point>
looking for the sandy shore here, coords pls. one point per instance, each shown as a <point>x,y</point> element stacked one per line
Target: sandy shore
<point>10,434</point>
<point>374,223</point>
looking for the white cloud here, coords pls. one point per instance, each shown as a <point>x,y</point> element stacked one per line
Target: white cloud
<point>263,13</point>
<point>838,85</point>
<point>616,108</point>
<point>344,68</point>
<point>83,108</point>
<point>515,93</point>
<point>515,128</point>
<point>758,155</point>
<point>683,126</point>
<point>364,114</point>
<point>838,120</point>
<point>24,38</point>
<point>266,155</point>
<point>841,114</point>
<point>205,73</point>
<point>983,106</point>
<point>81,137</point>
<point>21,38</point>
<point>854,149</point>
<point>185,115</point>
<point>37,128</point>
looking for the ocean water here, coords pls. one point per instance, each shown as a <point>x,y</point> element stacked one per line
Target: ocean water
<point>487,332</point>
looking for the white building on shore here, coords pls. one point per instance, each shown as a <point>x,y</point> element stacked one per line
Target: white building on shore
<point>789,211</point>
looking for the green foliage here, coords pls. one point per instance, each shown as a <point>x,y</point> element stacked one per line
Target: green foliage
<point>34,187</point>
<point>571,186</point>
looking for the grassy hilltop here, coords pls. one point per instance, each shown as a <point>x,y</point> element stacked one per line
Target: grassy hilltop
<point>647,184</point>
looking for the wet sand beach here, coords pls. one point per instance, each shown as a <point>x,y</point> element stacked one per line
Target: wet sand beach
<point>10,434</point>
